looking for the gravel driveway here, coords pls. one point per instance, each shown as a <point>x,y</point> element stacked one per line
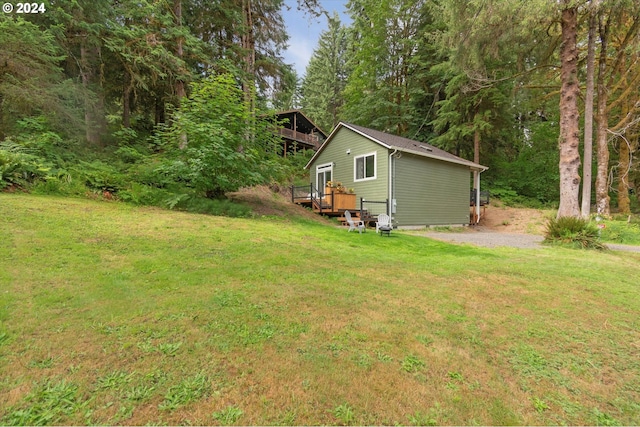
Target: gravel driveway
<point>493,239</point>
<point>490,239</point>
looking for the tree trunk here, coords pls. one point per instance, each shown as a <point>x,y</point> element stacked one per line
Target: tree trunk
<point>2,131</point>
<point>602,185</point>
<point>126,101</point>
<point>249,47</point>
<point>248,84</point>
<point>625,144</point>
<point>588,113</point>
<point>624,165</point>
<point>179,85</point>
<point>569,140</point>
<point>93,97</point>
<point>159,116</point>
<point>476,149</point>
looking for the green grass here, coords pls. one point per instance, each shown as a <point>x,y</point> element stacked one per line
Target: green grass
<point>111,314</point>
<point>621,231</point>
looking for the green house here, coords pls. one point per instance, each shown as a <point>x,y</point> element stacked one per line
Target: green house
<point>415,183</point>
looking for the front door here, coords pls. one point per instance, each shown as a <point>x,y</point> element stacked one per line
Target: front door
<point>323,175</point>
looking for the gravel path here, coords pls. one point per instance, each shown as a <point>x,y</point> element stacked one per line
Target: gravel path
<point>490,239</point>
<point>493,239</point>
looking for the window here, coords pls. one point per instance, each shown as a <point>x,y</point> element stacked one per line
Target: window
<point>365,167</point>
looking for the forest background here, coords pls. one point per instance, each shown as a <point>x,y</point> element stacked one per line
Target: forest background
<point>171,102</point>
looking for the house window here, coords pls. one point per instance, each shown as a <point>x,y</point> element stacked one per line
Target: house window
<point>365,167</point>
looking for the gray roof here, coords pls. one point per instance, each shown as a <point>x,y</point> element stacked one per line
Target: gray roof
<point>394,142</point>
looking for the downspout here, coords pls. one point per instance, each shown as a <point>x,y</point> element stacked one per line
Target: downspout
<point>390,198</point>
<point>477,185</point>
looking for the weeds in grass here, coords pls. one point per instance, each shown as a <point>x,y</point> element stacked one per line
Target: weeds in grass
<point>4,338</point>
<point>48,404</point>
<point>382,357</point>
<point>427,341</point>
<point>364,361</point>
<point>47,362</point>
<point>526,360</point>
<point>539,405</point>
<point>603,419</point>
<point>289,418</point>
<point>421,419</point>
<point>169,349</point>
<point>229,415</point>
<point>456,376</point>
<point>114,380</point>
<point>412,364</point>
<point>344,413</point>
<point>139,393</point>
<point>187,391</point>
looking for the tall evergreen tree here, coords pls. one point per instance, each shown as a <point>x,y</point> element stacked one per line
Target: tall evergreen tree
<point>326,76</point>
<point>385,39</point>
<point>30,76</point>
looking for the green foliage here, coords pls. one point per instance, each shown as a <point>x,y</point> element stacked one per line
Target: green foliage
<point>143,194</point>
<point>199,278</point>
<point>203,205</point>
<point>532,174</point>
<point>227,148</point>
<point>621,231</point>
<point>344,413</point>
<point>18,167</point>
<point>31,80</point>
<point>326,76</point>
<point>412,363</point>
<point>101,176</point>
<point>575,232</point>
<point>47,404</point>
<point>129,154</point>
<point>188,390</point>
<point>229,415</point>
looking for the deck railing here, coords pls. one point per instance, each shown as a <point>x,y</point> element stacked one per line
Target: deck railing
<point>309,194</point>
<point>370,209</point>
<point>299,136</point>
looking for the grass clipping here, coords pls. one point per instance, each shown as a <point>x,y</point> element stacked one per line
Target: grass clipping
<point>573,232</point>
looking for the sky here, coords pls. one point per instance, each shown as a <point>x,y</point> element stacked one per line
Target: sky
<point>304,31</point>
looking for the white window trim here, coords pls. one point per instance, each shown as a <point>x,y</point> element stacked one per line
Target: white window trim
<point>375,167</point>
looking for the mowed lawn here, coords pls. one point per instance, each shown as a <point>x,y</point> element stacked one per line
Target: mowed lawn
<point>111,314</point>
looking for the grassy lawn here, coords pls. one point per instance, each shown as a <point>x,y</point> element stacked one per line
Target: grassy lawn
<point>111,314</point>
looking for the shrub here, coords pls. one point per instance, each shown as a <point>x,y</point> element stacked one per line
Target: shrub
<point>141,194</point>
<point>61,184</point>
<point>18,167</point>
<point>574,232</point>
<point>100,176</point>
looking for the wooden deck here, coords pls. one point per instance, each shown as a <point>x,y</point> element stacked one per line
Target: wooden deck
<point>305,138</point>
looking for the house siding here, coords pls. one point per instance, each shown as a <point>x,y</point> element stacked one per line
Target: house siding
<point>430,192</point>
<point>343,170</point>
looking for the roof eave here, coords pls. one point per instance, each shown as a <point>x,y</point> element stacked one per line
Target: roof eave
<point>324,144</point>
<point>470,165</point>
